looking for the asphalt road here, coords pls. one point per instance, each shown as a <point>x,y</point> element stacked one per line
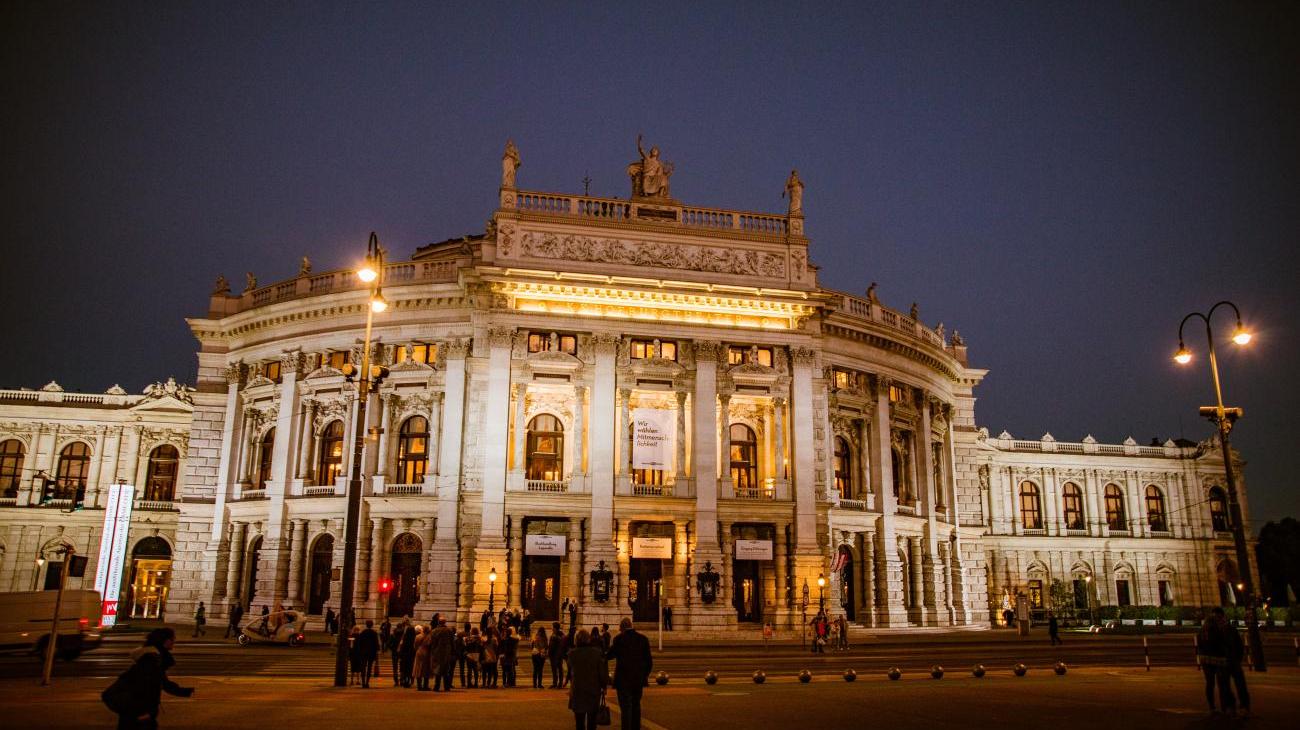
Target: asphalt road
<point>914,654</point>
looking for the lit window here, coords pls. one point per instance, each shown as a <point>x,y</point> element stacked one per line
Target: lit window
<point>1218,510</point>
<point>338,358</point>
<point>422,353</point>
<point>843,380</point>
<point>1156,510</point>
<point>1036,593</point>
<point>271,370</point>
<point>645,349</point>
<point>1115,517</point>
<point>265,458</point>
<point>843,468</point>
<point>737,354</point>
<point>1031,506</point>
<point>895,393</point>
<point>413,450</point>
<point>74,463</point>
<point>552,342</point>
<point>331,454</point>
<point>744,458</point>
<point>1072,500</point>
<point>160,482</point>
<point>11,467</point>
<point>545,448</point>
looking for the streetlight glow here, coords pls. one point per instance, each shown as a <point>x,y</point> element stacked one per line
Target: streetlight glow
<point>367,273</point>
<point>492,575</point>
<point>1241,336</point>
<point>378,303</point>
<point>1183,356</point>
<point>821,581</point>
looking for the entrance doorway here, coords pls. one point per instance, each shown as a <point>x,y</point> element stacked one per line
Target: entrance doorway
<point>406,575</point>
<point>541,587</point>
<point>748,598</point>
<point>318,584</point>
<point>845,575</point>
<point>644,577</point>
<point>254,556</point>
<point>151,569</point>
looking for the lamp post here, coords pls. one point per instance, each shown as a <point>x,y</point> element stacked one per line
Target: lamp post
<point>821,592</point>
<point>1092,615</point>
<point>371,274</point>
<point>803,613</point>
<point>1224,419</point>
<point>492,589</point>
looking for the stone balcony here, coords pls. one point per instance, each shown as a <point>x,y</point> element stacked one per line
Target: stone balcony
<point>223,304</point>
<point>658,212</point>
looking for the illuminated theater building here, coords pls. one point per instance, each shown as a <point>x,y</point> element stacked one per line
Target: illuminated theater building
<point>660,391</point>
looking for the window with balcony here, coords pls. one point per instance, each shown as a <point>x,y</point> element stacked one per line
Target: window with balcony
<point>74,464</point>
<point>744,459</point>
<point>544,450</point>
<point>330,463</point>
<point>265,458</point>
<point>1031,506</point>
<point>1157,519</point>
<point>11,467</point>
<point>1115,517</point>
<point>552,342</point>
<point>413,450</point>
<point>1219,510</point>
<point>160,478</point>
<point>843,468</point>
<point>1072,502</point>
<point>646,349</point>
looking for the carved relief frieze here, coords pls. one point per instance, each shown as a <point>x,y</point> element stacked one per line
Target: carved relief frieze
<point>657,254</point>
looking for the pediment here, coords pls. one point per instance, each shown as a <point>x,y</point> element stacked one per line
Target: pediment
<point>324,371</point>
<point>657,366</point>
<point>553,362</point>
<point>751,373</point>
<point>163,403</point>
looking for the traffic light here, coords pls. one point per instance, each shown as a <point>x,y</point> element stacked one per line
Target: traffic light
<point>385,585</point>
<point>79,500</point>
<point>377,372</point>
<point>47,488</point>
<point>1229,414</point>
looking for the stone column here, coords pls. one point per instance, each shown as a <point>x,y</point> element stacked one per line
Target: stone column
<point>491,548</point>
<point>371,561</point>
<point>1051,498</point>
<point>864,459</point>
<point>889,610</point>
<point>680,456</point>
<point>298,530</point>
<point>520,391</point>
<point>387,402</point>
<point>427,537</point>
<point>1137,516</point>
<point>866,547</point>
<point>515,569</point>
<point>235,572</point>
<point>932,567</point>
<point>704,452</point>
<point>576,550</point>
<point>728,567</point>
<point>601,446</point>
<point>435,443</point>
<point>307,441</point>
<point>724,443</point>
<point>779,557</point>
<point>273,571</point>
<point>781,467</point>
<point>681,554</point>
<point>442,584</point>
<point>579,428</point>
<point>914,564</point>
<point>805,477</point>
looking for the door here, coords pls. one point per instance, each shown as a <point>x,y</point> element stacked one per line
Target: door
<point>847,599</point>
<point>318,584</point>
<point>541,587</point>
<point>748,585</point>
<point>254,557</point>
<point>405,573</point>
<point>643,588</point>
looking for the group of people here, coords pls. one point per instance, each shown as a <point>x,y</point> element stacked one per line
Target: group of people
<point>1220,652</point>
<point>829,631</point>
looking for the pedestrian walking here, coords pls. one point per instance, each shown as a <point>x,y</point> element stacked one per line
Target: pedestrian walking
<point>540,648</point>
<point>366,645</point>
<point>820,629</point>
<point>573,616</point>
<point>606,637</point>
<point>394,655</point>
<point>668,617</point>
<point>330,621</point>
<point>459,648</point>
<point>442,650</point>
<point>769,633</point>
<point>200,620</point>
<point>843,624</point>
<point>554,651</point>
<point>236,614</point>
<point>385,633</point>
<point>630,651</point>
<point>590,677</point>
<point>423,660</point>
<point>526,624</point>
<point>1053,629</point>
<point>1234,654</point>
<point>265,627</point>
<point>509,657</point>
<point>135,696</point>
<point>1212,653</point>
<point>483,621</point>
<point>407,655</point>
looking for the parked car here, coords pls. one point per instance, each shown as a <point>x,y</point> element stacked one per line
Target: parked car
<point>25,619</point>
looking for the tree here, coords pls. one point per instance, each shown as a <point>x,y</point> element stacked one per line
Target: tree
<point>1061,598</point>
<point>1278,554</point>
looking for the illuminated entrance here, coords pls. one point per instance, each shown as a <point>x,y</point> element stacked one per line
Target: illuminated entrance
<point>151,571</point>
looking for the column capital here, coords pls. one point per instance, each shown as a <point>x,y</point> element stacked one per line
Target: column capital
<point>457,348</point>
<point>803,355</point>
<point>707,350</point>
<point>292,362</point>
<point>234,373</point>
<point>604,344</point>
<point>501,336</point>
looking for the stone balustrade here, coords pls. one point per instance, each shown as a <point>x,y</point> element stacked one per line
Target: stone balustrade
<point>864,309</point>
<point>309,285</point>
<point>553,486</point>
<point>403,489</point>
<point>616,209</point>
<point>1048,444</point>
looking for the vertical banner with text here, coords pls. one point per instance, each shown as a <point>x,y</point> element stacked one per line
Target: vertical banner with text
<point>112,549</point>
<point>654,438</point>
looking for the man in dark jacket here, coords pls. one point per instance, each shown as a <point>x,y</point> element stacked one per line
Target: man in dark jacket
<point>1234,653</point>
<point>236,613</point>
<point>137,693</point>
<point>366,645</point>
<point>555,653</point>
<point>631,650</point>
<point>442,651</point>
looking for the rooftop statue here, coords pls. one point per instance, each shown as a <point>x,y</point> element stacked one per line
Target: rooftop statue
<point>509,164</point>
<point>794,188</point>
<point>304,268</point>
<point>650,175</point>
<point>222,286</point>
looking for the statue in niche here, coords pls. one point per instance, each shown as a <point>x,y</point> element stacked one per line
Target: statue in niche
<point>509,164</point>
<point>304,268</point>
<point>650,175</point>
<point>794,189</point>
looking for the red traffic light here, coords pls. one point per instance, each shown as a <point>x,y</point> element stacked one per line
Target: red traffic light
<point>385,585</point>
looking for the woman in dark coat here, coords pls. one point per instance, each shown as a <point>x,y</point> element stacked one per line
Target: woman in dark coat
<point>590,674</point>
<point>406,655</point>
<point>137,694</point>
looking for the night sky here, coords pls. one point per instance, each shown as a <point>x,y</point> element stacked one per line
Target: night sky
<point>1061,182</point>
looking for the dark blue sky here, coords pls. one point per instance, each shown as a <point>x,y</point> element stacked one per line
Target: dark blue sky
<point>1062,182</point>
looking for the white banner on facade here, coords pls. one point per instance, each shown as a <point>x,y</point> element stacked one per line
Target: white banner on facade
<point>553,545</point>
<point>753,549</point>
<point>652,547</point>
<point>112,549</point>
<point>655,438</point>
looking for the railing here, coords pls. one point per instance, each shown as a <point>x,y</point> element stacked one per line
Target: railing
<point>552,486</point>
<point>1007,443</point>
<point>864,309</point>
<point>759,493</point>
<point>155,505</point>
<point>8,501</point>
<point>1110,449</point>
<point>620,210</point>
<point>854,504</point>
<point>652,490</point>
<point>906,509</point>
<point>319,491</point>
<point>396,274</point>
<point>247,495</point>
<point>1076,533</point>
<point>404,489</point>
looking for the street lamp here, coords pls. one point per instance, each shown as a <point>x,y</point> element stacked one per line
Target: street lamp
<point>492,588</point>
<point>821,592</point>
<point>803,613</point>
<point>371,274</point>
<point>1224,419</point>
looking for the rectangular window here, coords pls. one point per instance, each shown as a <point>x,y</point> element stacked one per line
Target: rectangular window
<point>422,353</point>
<point>843,380</point>
<point>1036,593</point>
<point>272,370</point>
<point>645,349</point>
<point>1080,593</point>
<point>1166,593</point>
<point>1121,593</point>
<point>737,354</point>
<point>552,341</point>
<point>338,358</point>
<point>895,394</point>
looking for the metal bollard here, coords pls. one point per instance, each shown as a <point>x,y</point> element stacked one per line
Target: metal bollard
<point>1146,653</point>
<point>1245,645</point>
<point>1196,651</point>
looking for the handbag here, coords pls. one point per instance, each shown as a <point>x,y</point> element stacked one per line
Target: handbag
<point>602,712</point>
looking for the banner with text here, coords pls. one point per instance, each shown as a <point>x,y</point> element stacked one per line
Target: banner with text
<point>112,549</point>
<point>655,438</point>
<point>551,545</point>
<point>655,548</point>
<point>753,549</point>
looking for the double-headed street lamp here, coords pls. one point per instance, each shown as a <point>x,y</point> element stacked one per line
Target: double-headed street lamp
<point>371,273</point>
<point>1224,418</point>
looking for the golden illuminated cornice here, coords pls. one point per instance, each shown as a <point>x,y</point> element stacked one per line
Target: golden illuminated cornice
<point>720,308</point>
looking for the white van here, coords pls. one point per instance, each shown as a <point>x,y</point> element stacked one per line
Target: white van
<point>25,621</point>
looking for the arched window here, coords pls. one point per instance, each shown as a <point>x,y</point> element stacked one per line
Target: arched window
<point>1156,510</point>
<point>896,462</point>
<point>160,480</point>
<point>11,467</point>
<point>544,451</point>
<point>413,450</point>
<point>1218,510</point>
<point>744,458</point>
<point>1031,506</point>
<point>74,462</point>
<point>331,454</point>
<point>843,468</point>
<point>1072,501</point>
<point>1115,517</point>
<point>265,456</point>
